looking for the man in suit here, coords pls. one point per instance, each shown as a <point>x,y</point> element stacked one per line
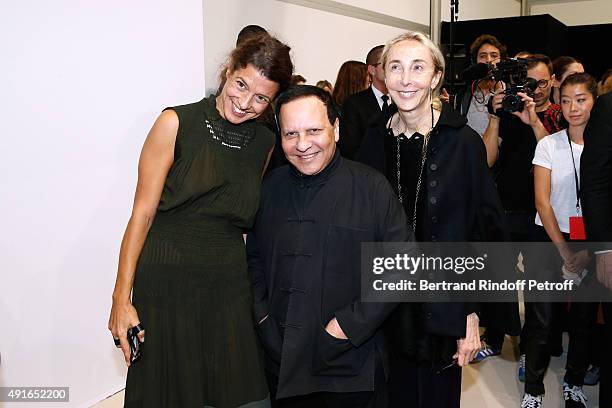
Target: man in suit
<point>596,198</point>
<point>362,108</point>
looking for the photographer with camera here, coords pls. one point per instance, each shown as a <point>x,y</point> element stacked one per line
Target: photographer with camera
<point>486,51</point>
<point>538,118</point>
<point>520,116</point>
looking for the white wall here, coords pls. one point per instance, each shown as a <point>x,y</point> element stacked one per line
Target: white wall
<point>320,41</point>
<point>413,10</point>
<point>578,12</point>
<point>82,82</point>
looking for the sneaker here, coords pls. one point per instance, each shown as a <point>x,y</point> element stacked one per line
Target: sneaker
<point>531,401</point>
<point>486,351</point>
<point>592,376</point>
<point>574,397</point>
<point>521,369</point>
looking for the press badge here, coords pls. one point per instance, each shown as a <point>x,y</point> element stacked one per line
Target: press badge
<point>577,232</point>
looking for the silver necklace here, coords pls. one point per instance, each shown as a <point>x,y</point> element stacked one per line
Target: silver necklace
<point>423,160</point>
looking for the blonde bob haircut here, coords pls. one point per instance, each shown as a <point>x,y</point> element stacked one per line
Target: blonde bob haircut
<point>436,56</point>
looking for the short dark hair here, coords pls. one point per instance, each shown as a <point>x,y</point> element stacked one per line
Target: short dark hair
<point>249,32</point>
<point>303,91</point>
<point>535,59</point>
<point>371,57</point>
<point>561,64</point>
<point>267,54</point>
<point>581,78</point>
<point>296,79</point>
<point>486,39</point>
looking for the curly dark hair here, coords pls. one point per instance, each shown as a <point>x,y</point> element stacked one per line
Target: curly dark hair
<point>487,39</point>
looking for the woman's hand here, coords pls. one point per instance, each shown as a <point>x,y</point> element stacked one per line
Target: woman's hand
<point>122,317</point>
<point>468,347</point>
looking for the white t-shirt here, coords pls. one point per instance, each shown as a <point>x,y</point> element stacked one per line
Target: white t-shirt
<point>553,152</point>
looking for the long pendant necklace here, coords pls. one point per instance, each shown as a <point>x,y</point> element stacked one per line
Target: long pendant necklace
<point>419,181</point>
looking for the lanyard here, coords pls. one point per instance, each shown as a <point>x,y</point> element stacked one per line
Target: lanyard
<point>575,174</point>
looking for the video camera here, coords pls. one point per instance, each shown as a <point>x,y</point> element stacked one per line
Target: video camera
<point>513,73</point>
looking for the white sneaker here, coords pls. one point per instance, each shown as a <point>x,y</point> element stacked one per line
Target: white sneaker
<point>531,401</point>
<point>574,396</point>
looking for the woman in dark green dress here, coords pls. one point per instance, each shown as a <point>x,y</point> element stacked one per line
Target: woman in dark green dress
<point>182,257</point>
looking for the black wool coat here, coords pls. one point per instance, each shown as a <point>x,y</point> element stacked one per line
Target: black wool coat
<point>596,172</point>
<point>304,261</point>
<point>462,204</point>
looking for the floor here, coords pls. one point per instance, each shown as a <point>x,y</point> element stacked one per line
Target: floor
<point>492,383</point>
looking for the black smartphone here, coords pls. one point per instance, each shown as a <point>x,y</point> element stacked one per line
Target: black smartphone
<point>134,342</point>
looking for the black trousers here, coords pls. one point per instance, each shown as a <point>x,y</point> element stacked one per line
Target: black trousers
<point>522,229</point>
<point>540,320</point>
<point>495,337</point>
<point>536,344</point>
<point>422,385</point>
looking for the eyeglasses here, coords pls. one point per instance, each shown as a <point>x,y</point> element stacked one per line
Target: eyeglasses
<point>543,83</point>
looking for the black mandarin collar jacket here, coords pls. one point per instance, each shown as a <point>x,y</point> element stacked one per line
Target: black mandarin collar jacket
<point>304,261</point>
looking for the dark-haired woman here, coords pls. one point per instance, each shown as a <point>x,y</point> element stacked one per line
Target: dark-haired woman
<point>556,181</point>
<point>352,78</point>
<point>182,257</point>
<point>563,67</point>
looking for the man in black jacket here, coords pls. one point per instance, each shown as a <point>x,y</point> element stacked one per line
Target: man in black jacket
<point>363,108</point>
<point>324,347</point>
<point>596,198</point>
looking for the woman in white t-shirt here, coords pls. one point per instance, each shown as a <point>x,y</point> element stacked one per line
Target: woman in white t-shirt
<point>557,175</point>
<point>557,168</point>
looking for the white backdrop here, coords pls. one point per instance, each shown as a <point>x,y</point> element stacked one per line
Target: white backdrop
<point>320,41</point>
<point>81,84</point>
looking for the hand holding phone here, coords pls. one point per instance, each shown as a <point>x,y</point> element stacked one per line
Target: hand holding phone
<point>135,344</point>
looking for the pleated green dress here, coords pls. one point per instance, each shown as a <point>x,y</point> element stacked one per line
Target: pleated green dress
<point>191,288</point>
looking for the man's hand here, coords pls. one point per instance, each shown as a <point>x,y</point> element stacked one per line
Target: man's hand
<point>334,329</point>
<point>528,115</point>
<point>496,102</point>
<point>468,347</point>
